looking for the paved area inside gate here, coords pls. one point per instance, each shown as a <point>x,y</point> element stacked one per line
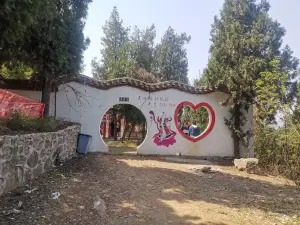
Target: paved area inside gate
<point>128,189</point>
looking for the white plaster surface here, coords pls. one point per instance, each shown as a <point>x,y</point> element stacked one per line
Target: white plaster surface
<point>33,95</point>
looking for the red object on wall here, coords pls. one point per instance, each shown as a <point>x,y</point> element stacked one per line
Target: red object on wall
<point>11,102</point>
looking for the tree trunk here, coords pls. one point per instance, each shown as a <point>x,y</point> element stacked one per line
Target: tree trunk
<point>132,127</point>
<point>55,100</point>
<point>124,132</point>
<point>46,95</point>
<point>144,130</point>
<point>115,128</point>
<point>237,124</point>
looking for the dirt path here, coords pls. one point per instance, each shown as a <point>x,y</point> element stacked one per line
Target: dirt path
<point>145,190</point>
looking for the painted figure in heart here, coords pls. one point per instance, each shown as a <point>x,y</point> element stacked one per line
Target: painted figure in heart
<point>165,135</point>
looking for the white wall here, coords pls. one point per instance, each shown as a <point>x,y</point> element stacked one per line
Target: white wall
<point>90,104</point>
<point>33,95</point>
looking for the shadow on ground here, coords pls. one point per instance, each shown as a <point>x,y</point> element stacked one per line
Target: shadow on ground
<point>142,190</point>
<point>122,150</point>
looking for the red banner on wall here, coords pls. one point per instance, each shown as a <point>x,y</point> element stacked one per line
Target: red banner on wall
<point>11,102</point>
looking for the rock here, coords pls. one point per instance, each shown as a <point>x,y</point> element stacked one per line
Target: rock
<point>76,180</point>
<point>245,163</point>
<point>11,181</point>
<point>48,165</point>
<point>25,150</point>
<point>23,157</point>
<point>205,169</point>
<point>1,142</point>
<point>61,140</point>
<point>55,195</point>
<point>290,200</point>
<point>1,185</point>
<point>284,218</point>
<point>5,167</point>
<point>27,175</point>
<point>18,160</point>
<point>99,205</point>
<point>47,144</point>
<point>33,159</point>
<point>38,171</point>
<point>14,211</point>
<point>30,191</point>
<point>20,205</point>
<point>41,144</point>
<point>7,152</point>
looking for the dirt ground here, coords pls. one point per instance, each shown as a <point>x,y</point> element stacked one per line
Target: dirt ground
<point>150,190</point>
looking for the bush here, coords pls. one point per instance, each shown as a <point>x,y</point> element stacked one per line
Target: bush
<point>279,149</point>
<point>19,122</point>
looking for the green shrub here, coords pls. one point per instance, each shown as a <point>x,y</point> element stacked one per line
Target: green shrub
<point>279,149</point>
<point>19,122</point>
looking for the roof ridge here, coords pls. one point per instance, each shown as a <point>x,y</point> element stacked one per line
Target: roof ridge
<point>151,87</point>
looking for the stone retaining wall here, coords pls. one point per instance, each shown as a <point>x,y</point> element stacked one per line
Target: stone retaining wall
<point>23,157</point>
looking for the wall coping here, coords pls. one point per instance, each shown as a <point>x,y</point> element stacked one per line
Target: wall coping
<point>34,133</point>
<point>36,85</point>
<point>149,87</point>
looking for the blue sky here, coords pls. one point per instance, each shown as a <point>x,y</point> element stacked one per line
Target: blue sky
<point>191,16</point>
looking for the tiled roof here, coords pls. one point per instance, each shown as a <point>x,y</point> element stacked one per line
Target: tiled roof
<point>107,84</point>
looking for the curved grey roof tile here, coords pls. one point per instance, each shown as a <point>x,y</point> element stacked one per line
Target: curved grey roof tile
<point>102,84</point>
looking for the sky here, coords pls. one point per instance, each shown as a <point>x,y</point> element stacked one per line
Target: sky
<point>191,16</point>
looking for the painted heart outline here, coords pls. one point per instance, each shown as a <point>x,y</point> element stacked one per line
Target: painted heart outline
<point>212,119</point>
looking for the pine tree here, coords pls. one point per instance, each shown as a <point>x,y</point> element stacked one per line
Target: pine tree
<point>244,42</point>
<point>116,61</point>
<point>171,58</point>
<point>270,88</point>
<point>142,47</point>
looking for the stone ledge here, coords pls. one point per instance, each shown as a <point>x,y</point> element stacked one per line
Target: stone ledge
<point>24,157</point>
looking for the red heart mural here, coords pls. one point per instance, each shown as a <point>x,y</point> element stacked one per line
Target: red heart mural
<point>212,119</point>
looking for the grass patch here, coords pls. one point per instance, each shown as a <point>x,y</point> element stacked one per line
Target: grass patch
<point>125,143</point>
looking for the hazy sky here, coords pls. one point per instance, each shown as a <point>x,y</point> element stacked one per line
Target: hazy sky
<point>191,16</point>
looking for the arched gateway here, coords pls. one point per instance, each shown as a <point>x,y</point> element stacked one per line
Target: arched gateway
<point>85,100</point>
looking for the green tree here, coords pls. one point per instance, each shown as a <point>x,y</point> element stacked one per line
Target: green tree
<point>115,61</point>
<point>144,75</point>
<point>200,81</point>
<point>15,70</point>
<point>142,47</point>
<point>15,18</point>
<point>200,116</point>
<point>244,42</point>
<point>171,59</point>
<point>98,70</point>
<point>296,111</point>
<point>270,88</point>
<point>133,117</point>
<point>42,36</point>
<point>55,45</point>
<point>289,66</point>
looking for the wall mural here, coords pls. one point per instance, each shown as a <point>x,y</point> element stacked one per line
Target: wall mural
<point>165,136</point>
<point>200,116</point>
